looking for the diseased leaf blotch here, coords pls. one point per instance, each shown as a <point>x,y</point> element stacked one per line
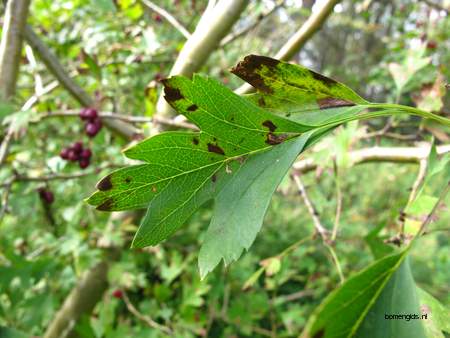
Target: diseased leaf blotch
<point>247,70</point>
<point>331,102</point>
<point>107,205</point>
<point>273,139</point>
<point>195,141</point>
<point>171,94</point>
<point>214,148</point>
<point>193,107</point>
<point>105,184</point>
<point>269,124</point>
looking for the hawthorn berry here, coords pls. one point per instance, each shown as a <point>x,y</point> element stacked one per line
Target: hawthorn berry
<point>73,155</point>
<point>117,294</point>
<point>84,163</point>
<point>431,44</point>
<point>86,153</point>
<point>88,114</point>
<point>64,154</point>
<point>46,195</point>
<point>93,127</point>
<point>77,147</point>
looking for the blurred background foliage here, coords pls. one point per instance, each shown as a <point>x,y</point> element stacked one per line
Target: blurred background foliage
<point>114,50</point>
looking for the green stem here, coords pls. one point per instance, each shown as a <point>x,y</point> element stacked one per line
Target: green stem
<point>411,110</point>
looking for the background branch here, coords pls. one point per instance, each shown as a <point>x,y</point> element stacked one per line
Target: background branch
<point>16,13</point>
<point>169,17</point>
<point>299,39</point>
<point>54,66</point>
<point>213,26</point>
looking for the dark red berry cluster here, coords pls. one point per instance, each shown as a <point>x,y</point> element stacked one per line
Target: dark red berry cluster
<point>77,153</point>
<point>46,195</point>
<point>93,121</point>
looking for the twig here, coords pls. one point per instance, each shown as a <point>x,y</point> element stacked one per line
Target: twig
<point>55,67</point>
<point>429,217</point>
<point>126,118</point>
<point>146,319</point>
<point>338,203</point>
<point>169,17</point>
<point>378,154</point>
<point>321,230</point>
<point>318,225</point>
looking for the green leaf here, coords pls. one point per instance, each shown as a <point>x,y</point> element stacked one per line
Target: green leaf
<point>438,316</point>
<point>11,333</point>
<point>399,297</point>
<point>184,170</point>
<point>240,206</point>
<point>353,301</point>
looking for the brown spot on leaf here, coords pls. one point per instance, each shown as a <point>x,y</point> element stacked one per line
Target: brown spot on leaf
<point>247,70</point>
<point>195,140</point>
<point>128,180</point>
<point>261,102</point>
<point>192,108</point>
<point>273,139</point>
<point>214,178</point>
<point>214,148</point>
<point>107,205</point>
<point>105,184</point>
<point>154,188</point>
<point>325,80</point>
<point>269,124</point>
<point>171,94</point>
<point>331,102</point>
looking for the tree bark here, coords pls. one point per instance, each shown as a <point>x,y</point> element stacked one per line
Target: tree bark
<point>11,46</point>
<point>81,300</point>
<point>213,26</point>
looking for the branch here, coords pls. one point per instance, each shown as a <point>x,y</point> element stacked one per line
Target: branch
<point>437,6</point>
<point>318,225</point>
<point>161,11</point>
<point>378,154</point>
<point>299,39</point>
<point>214,24</point>
<point>125,118</point>
<point>11,45</point>
<point>146,319</point>
<point>55,67</point>
<point>82,299</point>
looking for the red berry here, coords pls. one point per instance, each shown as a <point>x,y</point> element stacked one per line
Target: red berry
<point>117,294</point>
<point>73,155</point>
<point>91,129</point>
<point>46,195</point>
<point>88,114</point>
<point>84,163</point>
<point>431,44</point>
<point>86,154</point>
<point>64,154</point>
<point>77,147</point>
